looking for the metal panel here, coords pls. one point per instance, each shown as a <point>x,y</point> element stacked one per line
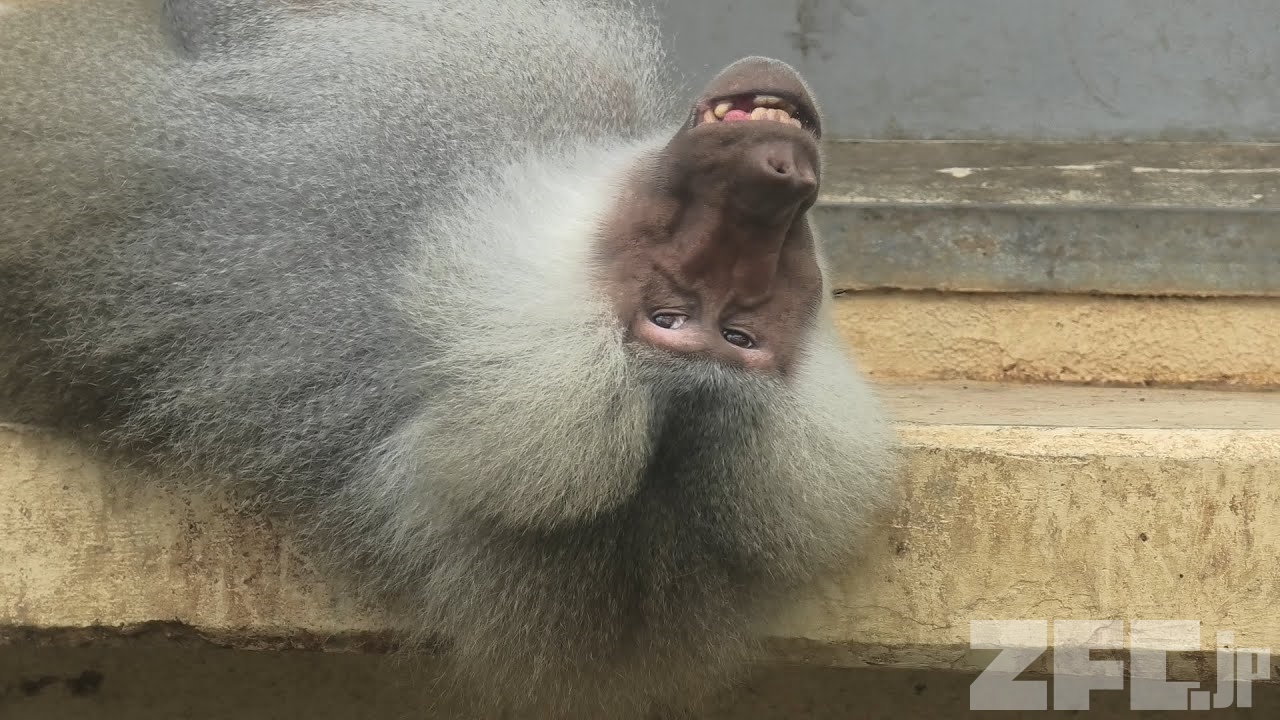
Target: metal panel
<point>1009,69</point>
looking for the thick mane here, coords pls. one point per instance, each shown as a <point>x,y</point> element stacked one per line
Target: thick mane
<point>345,257</point>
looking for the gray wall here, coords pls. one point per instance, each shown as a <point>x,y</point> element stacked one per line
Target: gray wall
<point>1010,69</point>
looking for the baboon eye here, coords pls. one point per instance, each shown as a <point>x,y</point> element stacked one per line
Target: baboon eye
<point>736,337</point>
<point>670,321</point>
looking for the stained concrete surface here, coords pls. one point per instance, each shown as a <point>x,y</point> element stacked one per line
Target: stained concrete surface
<point>1116,509</point>
<point>1059,406</point>
<point>1100,340</point>
<point>1075,175</point>
<point>1150,219</point>
<point>205,684</point>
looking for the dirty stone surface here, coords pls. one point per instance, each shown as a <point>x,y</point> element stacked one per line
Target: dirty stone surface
<point>1167,219</point>
<point>1145,505</point>
<point>1098,340</point>
<point>1069,174</point>
<point>167,683</point>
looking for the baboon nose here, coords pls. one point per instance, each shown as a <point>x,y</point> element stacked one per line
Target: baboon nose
<point>779,177</point>
<point>793,174</point>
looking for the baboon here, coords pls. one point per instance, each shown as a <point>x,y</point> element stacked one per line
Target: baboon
<point>533,345</point>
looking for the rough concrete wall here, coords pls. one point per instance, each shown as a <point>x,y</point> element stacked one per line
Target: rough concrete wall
<point>1099,340</point>
<point>1030,69</point>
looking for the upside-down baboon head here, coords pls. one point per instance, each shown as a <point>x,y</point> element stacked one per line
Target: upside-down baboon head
<point>645,432</point>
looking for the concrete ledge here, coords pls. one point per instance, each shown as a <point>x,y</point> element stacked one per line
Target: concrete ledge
<point>1100,340</point>
<point>1129,219</point>
<point>1242,176</point>
<point>86,557</point>
<point>1019,502</point>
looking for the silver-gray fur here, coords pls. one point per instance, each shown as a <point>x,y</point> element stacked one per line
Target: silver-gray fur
<point>340,254</point>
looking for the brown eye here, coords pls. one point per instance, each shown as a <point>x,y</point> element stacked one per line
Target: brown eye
<point>741,339</point>
<point>670,321</point>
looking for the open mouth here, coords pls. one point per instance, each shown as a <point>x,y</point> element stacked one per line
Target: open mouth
<point>753,107</point>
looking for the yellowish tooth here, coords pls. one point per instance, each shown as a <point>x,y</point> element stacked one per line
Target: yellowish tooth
<point>794,121</point>
<point>768,100</point>
<point>758,113</point>
<point>778,115</point>
<point>708,116</point>
<point>723,108</point>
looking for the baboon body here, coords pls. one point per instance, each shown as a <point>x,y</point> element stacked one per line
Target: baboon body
<point>357,261</point>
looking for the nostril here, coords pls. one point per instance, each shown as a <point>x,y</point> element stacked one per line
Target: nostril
<point>774,177</point>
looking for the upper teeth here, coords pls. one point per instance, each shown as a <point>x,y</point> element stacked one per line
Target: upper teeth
<point>767,107</point>
<point>774,102</point>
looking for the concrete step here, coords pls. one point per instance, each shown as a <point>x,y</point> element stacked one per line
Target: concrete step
<point>1224,342</point>
<point>1104,263</point>
<point>1018,502</point>
<point>1145,219</point>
